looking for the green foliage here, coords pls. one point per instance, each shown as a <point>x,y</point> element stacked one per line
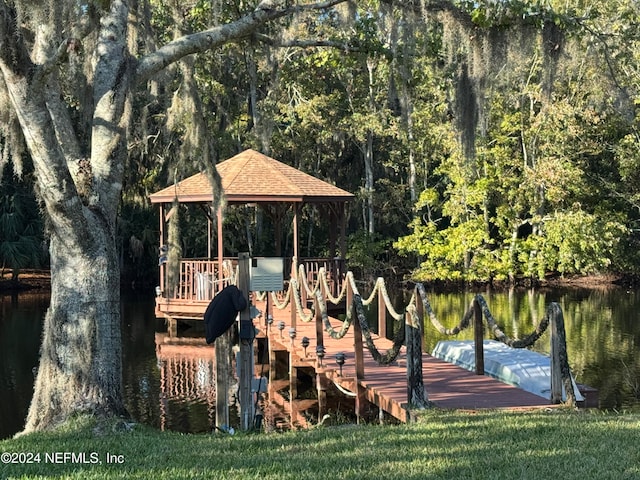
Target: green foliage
<point>549,187</point>
<point>21,236</point>
<point>557,87</point>
<point>579,242</point>
<point>367,253</point>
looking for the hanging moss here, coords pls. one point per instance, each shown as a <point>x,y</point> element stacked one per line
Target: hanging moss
<point>466,111</point>
<point>483,58</point>
<point>174,254</point>
<point>216,185</point>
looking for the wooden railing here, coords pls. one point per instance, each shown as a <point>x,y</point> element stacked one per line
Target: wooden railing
<point>199,281</point>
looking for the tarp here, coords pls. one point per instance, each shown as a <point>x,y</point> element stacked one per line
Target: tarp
<point>522,368</point>
<point>222,312</point>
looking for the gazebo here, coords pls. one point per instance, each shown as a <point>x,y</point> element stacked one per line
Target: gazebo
<point>252,178</point>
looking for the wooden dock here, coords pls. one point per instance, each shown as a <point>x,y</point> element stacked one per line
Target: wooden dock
<point>307,381</point>
<point>385,386</point>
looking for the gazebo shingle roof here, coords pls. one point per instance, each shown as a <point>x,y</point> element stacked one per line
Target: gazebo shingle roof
<point>251,176</point>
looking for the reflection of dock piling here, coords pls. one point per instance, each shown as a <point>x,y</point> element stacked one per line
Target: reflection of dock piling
<point>187,373</point>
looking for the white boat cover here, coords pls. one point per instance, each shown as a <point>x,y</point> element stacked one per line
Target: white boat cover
<point>522,368</point>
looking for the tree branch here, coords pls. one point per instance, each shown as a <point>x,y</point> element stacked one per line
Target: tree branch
<point>198,42</point>
<point>308,43</point>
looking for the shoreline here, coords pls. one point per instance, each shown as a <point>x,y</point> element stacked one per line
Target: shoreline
<point>40,279</point>
<point>28,280</point>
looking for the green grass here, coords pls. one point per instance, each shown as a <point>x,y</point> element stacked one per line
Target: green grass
<point>441,445</point>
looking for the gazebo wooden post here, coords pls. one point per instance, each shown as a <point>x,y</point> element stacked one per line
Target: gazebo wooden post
<point>162,242</point>
<point>293,272</point>
<point>209,235</point>
<point>296,209</point>
<point>332,218</point>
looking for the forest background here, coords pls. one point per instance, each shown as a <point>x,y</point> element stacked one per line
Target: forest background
<point>487,142</point>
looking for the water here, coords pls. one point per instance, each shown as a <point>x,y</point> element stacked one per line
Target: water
<point>173,386</point>
<point>165,387</point>
<point>602,326</point>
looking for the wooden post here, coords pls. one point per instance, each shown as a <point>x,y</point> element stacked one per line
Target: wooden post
<point>273,369</point>
<point>416,397</point>
<point>296,241</point>
<point>322,394</point>
<point>163,265</point>
<point>293,274</point>
<point>343,231</point>
<point>293,390</point>
<point>318,322</point>
<point>320,383</point>
<point>220,250</point>
<point>358,347</point>
<point>382,316</point>
<point>303,290</point>
<point>478,335</point>
<point>560,372</point>
<point>361,401</point>
<point>246,347</point>
<point>223,376</point>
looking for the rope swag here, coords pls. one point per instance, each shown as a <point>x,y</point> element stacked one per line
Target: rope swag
<point>298,302</point>
<point>498,334</point>
<point>325,318</point>
<point>392,353</point>
<point>502,337</point>
<point>464,323</point>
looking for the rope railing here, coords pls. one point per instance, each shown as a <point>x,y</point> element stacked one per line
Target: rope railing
<point>337,335</point>
<point>298,302</point>
<point>499,335</point>
<point>464,323</point>
<point>392,353</point>
<point>410,331</point>
<point>281,305</point>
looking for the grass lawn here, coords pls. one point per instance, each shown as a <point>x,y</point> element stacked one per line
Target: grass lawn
<point>441,445</point>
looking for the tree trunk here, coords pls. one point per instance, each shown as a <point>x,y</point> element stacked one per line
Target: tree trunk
<point>368,156</point>
<point>369,182</point>
<point>80,359</point>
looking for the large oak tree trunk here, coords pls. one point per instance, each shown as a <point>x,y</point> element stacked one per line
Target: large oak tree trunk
<point>80,361</point>
<point>80,358</point>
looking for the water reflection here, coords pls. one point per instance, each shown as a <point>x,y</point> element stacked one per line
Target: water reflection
<point>20,326</point>
<point>172,386</point>
<point>187,383</point>
<point>169,381</point>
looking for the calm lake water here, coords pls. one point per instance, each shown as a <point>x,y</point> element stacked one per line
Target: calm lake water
<point>172,387</point>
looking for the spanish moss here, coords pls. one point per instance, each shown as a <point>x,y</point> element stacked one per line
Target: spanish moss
<point>174,254</point>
